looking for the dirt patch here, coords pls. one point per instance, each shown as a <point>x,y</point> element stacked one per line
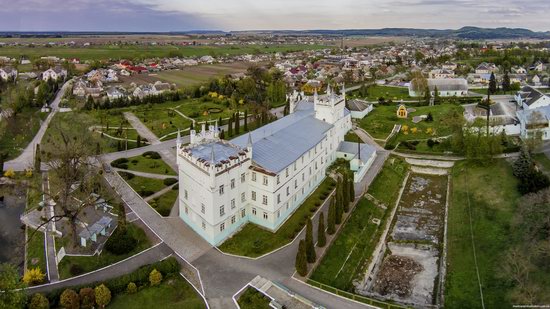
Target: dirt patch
<point>396,276</point>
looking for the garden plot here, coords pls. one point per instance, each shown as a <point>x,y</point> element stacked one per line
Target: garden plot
<point>409,271</point>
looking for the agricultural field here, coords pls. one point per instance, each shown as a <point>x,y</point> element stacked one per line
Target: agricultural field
<point>188,76</point>
<point>111,51</point>
<point>380,122</point>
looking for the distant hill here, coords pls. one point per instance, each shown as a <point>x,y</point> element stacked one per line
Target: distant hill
<point>474,33</point>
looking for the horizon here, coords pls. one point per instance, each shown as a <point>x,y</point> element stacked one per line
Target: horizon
<point>285,15</point>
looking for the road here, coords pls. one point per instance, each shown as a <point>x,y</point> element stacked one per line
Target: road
<point>25,159</point>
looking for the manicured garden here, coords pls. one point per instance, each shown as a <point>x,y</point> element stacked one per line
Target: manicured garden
<point>253,299</point>
<point>490,193</point>
<point>148,162</point>
<point>254,241</point>
<point>76,265</point>
<point>174,292</point>
<point>347,257</point>
<point>380,122</point>
<point>142,185</point>
<point>164,203</point>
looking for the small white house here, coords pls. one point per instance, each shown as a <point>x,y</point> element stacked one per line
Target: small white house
<point>531,98</point>
<point>445,87</point>
<point>359,108</point>
<point>56,73</point>
<point>7,73</point>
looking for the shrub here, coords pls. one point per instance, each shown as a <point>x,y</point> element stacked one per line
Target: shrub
<point>134,161</point>
<point>176,187</point>
<point>102,295</point>
<point>126,175</point>
<point>155,277</point>
<point>146,193</point>
<point>132,288</point>
<point>76,270</point>
<point>170,181</point>
<point>39,301</point>
<point>33,276</point>
<point>151,155</point>
<point>87,298</point>
<point>120,162</point>
<point>121,242</point>
<point>69,299</point>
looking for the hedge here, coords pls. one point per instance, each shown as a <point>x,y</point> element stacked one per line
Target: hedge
<point>151,155</point>
<point>118,285</point>
<point>170,181</point>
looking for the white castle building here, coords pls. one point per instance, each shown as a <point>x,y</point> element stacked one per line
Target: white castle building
<point>263,176</point>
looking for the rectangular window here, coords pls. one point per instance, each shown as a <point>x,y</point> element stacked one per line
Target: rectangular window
<point>253,195</point>
<point>203,210</point>
<point>185,194</point>
<point>243,177</point>
<point>203,225</point>
<point>278,198</point>
<point>253,176</point>
<point>243,213</point>
<point>278,179</point>
<point>222,210</point>
<point>303,176</point>
<point>264,200</point>
<point>221,190</point>
<point>265,216</point>
<point>287,191</point>
<point>233,183</point>
<point>294,165</point>
<point>243,197</point>
<point>265,181</point>
<point>295,183</point>
<point>233,204</point>
<point>254,211</point>
<point>278,214</point>
<point>222,227</point>
<point>286,172</point>
<point>233,220</point>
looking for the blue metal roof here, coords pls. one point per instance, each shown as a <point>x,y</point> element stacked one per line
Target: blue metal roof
<point>281,143</point>
<point>351,148</point>
<point>222,151</point>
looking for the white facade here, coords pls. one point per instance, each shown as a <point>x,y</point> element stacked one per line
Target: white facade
<point>224,185</point>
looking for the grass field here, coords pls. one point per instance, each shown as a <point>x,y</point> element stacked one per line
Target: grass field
<point>149,165</point>
<point>352,137</point>
<point>379,123</point>
<point>91,263</point>
<point>490,192</point>
<point>347,256</point>
<point>145,186</point>
<point>164,203</point>
<point>16,133</point>
<point>254,241</point>
<point>188,76</point>
<point>173,293</point>
<point>104,52</point>
<point>35,250</point>
<point>543,161</point>
<point>375,92</point>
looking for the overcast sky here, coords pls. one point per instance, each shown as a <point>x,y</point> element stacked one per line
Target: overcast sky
<point>181,15</point>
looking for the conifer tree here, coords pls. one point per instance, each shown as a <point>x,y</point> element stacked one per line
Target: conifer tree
<point>321,237</point>
<point>345,193</point>
<point>331,218</point>
<point>492,84</point>
<point>230,127</point>
<point>339,203</point>
<point>246,121</point>
<point>310,247</point>
<point>351,187</point>
<point>301,259</point>
<point>237,123</point>
<point>37,159</point>
<point>138,141</point>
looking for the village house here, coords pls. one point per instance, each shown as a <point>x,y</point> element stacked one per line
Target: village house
<point>441,73</point>
<point>8,73</point>
<point>56,73</point>
<point>531,98</point>
<point>445,87</point>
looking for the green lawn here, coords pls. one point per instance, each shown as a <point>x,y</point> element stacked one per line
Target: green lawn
<point>84,264</point>
<point>491,191</point>
<point>149,165</point>
<point>352,137</point>
<point>173,293</point>
<point>164,203</point>
<point>17,132</point>
<point>253,299</point>
<point>201,73</point>
<point>340,266</point>
<point>375,92</point>
<point>254,241</point>
<point>35,250</point>
<point>543,161</point>
<point>105,52</point>
<point>379,123</point>
<point>144,186</point>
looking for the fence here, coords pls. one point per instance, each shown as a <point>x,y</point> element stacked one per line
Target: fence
<point>352,296</point>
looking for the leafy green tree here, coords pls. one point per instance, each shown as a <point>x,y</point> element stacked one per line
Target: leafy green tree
<point>331,218</point>
<point>87,298</point>
<point>12,295</point>
<point>310,247</point>
<point>69,299</point>
<point>102,295</point>
<point>301,259</point>
<point>39,301</point>
<point>321,237</point>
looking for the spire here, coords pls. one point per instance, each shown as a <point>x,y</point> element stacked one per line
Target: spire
<point>344,90</point>
<point>249,145</point>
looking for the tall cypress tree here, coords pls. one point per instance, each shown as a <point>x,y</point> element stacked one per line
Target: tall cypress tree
<point>331,219</point>
<point>339,203</point>
<point>345,192</point>
<point>230,127</point>
<point>310,248</point>
<point>506,82</point>
<point>321,237</point>
<point>351,187</point>
<point>246,121</point>
<point>37,159</point>
<point>301,259</point>
<point>237,123</point>
<point>492,84</point>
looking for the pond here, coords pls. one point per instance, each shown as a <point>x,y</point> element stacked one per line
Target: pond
<point>12,235</point>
